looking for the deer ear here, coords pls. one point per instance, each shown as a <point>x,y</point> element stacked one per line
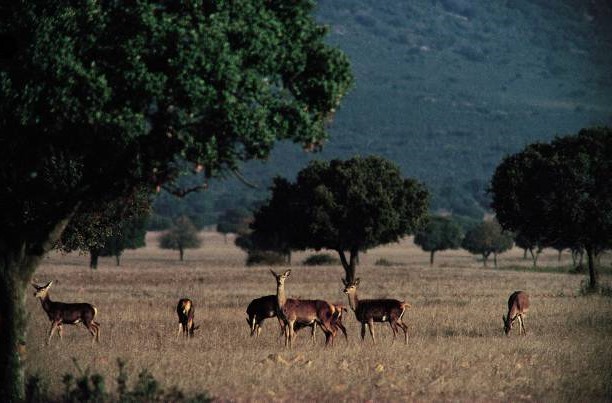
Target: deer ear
<point>34,285</point>
<point>287,273</point>
<point>357,281</point>
<point>49,285</point>
<point>273,273</point>
<point>504,318</point>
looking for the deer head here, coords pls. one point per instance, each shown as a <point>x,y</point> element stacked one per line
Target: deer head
<point>280,278</point>
<point>350,287</point>
<point>41,291</point>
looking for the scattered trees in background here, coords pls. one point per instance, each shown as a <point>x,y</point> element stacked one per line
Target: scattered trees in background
<point>234,221</point>
<point>440,233</point>
<point>344,206</point>
<point>533,246</point>
<point>182,235</point>
<point>130,235</point>
<point>486,239</point>
<point>560,192</point>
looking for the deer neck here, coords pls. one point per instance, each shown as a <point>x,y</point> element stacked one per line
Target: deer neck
<point>353,300</point>
<point>46,303</point>
<point>280,295</point>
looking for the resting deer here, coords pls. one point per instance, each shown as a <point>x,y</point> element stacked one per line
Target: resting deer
<point>303,311</point>
<point>186,312</point>
<point>62,313</point>
<point>369,311</point>
<point>518,305</point>
<point>261,309</point>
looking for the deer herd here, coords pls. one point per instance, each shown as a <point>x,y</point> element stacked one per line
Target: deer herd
<point>292,314</point>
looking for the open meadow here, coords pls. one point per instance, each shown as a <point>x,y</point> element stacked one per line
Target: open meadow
<point>456,349</point>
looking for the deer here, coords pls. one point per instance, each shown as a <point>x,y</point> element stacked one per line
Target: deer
<point>261,309</point>
<point>60,313</point>
<point>186,312</point>
<point>368,311</point>
<point>313,312</point>
<point>518,305</point>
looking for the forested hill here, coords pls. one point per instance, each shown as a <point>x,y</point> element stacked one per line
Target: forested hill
<point>446,88</point>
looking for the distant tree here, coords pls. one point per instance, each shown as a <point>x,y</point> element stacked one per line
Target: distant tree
<point>533,246</point>
<point>440,233</point>
<point>485,239</point>
<point>183,235</point>
<point>560,191</point>
<point>130,235</point>
<point>234,221</point>
<point>345,206</point>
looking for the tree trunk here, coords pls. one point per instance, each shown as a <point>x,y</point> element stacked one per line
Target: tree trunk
<point>93,259</point>
<point>349,266</point>
<point>118,259</point>
<point>534,257</point>
<point>19,259</point>
<point>13,319</point>
<point>431,257</point>
<point>485,256</point>
<point>593,275</point>
<point>181,254</point>
<point>495,259</point>
<point>559,257</point>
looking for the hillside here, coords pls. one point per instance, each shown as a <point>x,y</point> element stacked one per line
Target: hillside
<point>446,88</point>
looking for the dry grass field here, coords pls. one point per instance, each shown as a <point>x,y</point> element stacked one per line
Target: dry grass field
<point>457,349</point>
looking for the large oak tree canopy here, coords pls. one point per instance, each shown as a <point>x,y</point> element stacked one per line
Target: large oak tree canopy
<point>560,192</point>
<point>102,98</point>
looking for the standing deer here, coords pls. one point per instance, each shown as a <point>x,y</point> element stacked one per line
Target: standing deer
<point>292,310</point>
<point>518,305</point>
<point>369,311</point>
<point>261,309</point>
<point>186,312</point>
<point>60,313</point>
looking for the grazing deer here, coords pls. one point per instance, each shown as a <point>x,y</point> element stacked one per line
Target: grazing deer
<point>338,311</point>
<point>518,304</point>
<point>261,309</point>
<point>62,313</point>
<point>303,311</point>
<point>186,312</point>
<point>369,311</point>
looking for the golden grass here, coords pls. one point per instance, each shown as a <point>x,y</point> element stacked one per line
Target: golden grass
<point>456,351</point>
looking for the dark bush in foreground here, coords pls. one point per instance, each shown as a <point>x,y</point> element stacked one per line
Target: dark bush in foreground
<point>92,388</point>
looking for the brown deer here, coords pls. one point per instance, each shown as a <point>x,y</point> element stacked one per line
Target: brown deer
<point>292,310</point>
<point>261,309</point>
<point>518,305</point>
<point>369,311</point>
<point>60,313</point>
<point>338,311</point>
<point>186,312</point>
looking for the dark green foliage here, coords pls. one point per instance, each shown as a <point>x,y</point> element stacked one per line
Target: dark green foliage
<point>485,239</point>
<point>531,245</point>
<point>320,259</point>
<point>350,205</point>
<point>234,221</point>
<point>439,233</point>
<point>258,257</point>
<point>182,235</point>
<point>37,389</point>
<point>560,192</point>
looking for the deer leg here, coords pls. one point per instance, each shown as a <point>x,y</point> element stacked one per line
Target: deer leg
<point>54,324</point>
<point>405,329</point>
<point>371,328</point>
<point>343,329</point>
<point>312,333</point>
<point>281,324</point>
<point>394,329</point>
<point>59,331</point>
<point>97,329</point>
<point>363,330</point>
<point>522,326</point>
<point>291,333</point>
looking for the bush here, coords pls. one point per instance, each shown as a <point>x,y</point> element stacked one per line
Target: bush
<point>321,259</point>
<point>91,388</point>
<point>261,257</point>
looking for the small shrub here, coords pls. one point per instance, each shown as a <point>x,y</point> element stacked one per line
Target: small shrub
<point>384,262</point>
<point>260,257</point>
<point>37,389</point>
<point>603,289</point>
<point>321,259</point>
